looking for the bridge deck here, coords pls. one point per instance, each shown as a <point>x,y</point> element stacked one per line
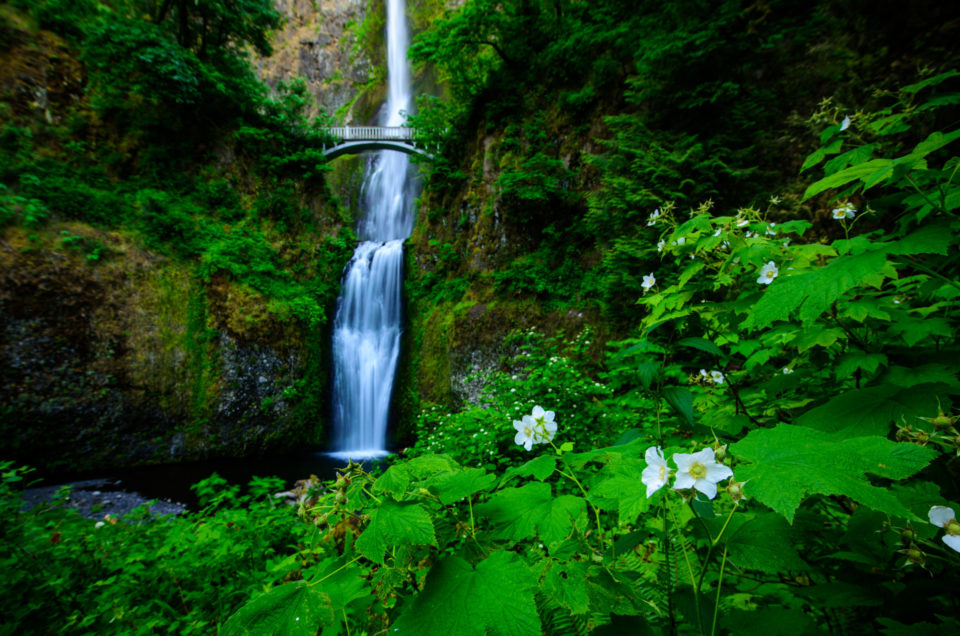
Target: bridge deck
<point>372,133</point>
<point>356,139</point>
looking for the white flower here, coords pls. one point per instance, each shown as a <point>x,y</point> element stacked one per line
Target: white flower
<point>544,425</point>
<point>845,211</point>
<point>750,235</point>
<point>680,241</point>
<point>770,231</point>
<point>656,473</point>
<point>648,281</point>
<point>742,222</point>
<point>717,377</point>
<point>845,123</point>
<point>787,370</point>
<point>653,217</point>
<point>767,273</point>
<point>98,524</point>
<point>700,471</point>
<point>944,517</point>
<point>717,233</point>
<point>660,245</point>
<point>525,433</point>
<point>703,372</point>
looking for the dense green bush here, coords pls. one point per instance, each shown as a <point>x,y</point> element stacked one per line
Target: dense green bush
<point>143,574</point>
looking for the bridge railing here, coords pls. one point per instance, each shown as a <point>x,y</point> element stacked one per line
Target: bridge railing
<point>372,133</point>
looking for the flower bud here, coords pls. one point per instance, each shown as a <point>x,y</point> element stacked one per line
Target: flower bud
<point>340,498</point>
<point>914,556</point>
<point>735,490</point>
<point>942,421</point>
<point>921,437</point>
<point>720,452</point>
<point>908,536</point>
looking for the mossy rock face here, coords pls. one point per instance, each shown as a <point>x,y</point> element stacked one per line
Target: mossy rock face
<point>134,360</point>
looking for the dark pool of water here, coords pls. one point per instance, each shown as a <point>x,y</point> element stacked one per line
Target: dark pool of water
<point>172,482</point>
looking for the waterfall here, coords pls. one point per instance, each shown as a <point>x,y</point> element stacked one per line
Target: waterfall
<point>367,327</point>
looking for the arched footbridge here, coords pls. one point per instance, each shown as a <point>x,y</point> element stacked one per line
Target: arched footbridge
<point>351,140</point>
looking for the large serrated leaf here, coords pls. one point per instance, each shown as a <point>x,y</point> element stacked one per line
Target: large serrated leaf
<point>451,486</point>
<point>766,544</point>
<point>494,597</point>
<point>292,609</point>
<point>519,513</point>
<point>811,293</point>
<point>790,463</point>
<point>393,524</point>
<point>871,410</point>
<point>848,175</point>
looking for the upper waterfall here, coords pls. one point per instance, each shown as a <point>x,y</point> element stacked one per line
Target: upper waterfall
<point>367,327</point>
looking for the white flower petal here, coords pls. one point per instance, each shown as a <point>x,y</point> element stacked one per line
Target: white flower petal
<point>718,472</point>
<point>537,412</point>
<point>654,477</point>
<point>941,515</point>
<point>683,481</point>
<point>705,456</point>
<point>707,487</point>
<point>654,455</point>
<point>683,461</point>
<point>952,540</point>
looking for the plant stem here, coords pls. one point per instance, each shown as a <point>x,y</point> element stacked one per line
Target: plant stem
<point>693,581</point>
<point>716,604</point>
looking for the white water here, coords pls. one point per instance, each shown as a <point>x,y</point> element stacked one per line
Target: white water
<point>367,327</point>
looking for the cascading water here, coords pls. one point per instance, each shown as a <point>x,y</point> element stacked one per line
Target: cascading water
<point>367,327</point>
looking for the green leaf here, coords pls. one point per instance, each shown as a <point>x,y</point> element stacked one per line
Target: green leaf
<point>393,524</point>
<point>789,463</point>
<point>495,597</point>
<point>566,584</point>
<point>702,344</point>
<point>930,81</point>
<point>813,292</point>
<point>539,468</point>
<point>858,171</point>
<point>820,153</point>
<point>618,486</point>
<point>934,141</point>
<point>454,486</point>
<point>871,410</point>
<point>768,620</point>
<point>519,513</point>
<point>765,543</point>
<point>292,609</point>
<point>681,400</point>
<point>648,372</point>
<point>395,480</point>
<point>868,362</point>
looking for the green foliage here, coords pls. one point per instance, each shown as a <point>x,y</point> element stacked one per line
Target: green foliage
<point>143,574</point>
<point>555,369</point>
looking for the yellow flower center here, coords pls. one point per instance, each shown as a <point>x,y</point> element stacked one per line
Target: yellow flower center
<point>952,527</point>
<point>527,431</point>
<point>698,470</point>
<point>663,473</point>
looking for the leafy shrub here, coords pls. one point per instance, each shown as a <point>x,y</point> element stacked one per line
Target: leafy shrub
<point>142,574</point>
